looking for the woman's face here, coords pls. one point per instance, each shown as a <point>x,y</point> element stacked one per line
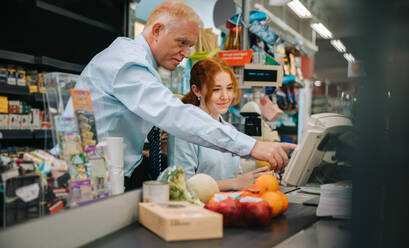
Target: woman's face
<point>223,94</point>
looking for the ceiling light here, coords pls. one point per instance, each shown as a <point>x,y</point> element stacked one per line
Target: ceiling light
<point>322,30</point>
<point>338,45</point>
<point>299,9</point>
<point>349,57</point>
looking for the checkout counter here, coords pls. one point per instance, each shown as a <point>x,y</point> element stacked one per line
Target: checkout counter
<point>112,222</point>
<point>297,227</point>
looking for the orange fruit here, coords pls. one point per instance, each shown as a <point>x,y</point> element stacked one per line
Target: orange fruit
<point>285,201</point>
<point>275,201</point>
<point>266,183</point>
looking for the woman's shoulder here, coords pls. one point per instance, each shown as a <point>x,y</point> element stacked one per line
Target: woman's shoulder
<point>175,141</point>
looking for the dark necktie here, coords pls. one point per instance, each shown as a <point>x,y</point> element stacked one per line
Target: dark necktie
<point>154,153</point>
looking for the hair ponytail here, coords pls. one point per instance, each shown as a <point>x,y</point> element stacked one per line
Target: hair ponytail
<point>190,98</point>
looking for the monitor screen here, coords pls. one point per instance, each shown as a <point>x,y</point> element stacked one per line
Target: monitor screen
<point>320,136</point>
<point>262,75</point>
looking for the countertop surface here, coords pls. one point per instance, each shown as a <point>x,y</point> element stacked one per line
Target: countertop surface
<point>298,217</point>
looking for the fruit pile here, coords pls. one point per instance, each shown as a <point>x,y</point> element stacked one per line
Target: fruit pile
<point>254,206</point>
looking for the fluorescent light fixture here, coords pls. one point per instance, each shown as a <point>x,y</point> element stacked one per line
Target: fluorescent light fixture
<point>349,57</point>
<point>299,9</point>
<point>338,45</point>
<point>321,30</point>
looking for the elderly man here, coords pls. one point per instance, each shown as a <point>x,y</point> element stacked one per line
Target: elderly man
<point>130,99</point>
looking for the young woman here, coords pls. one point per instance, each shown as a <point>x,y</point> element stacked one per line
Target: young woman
<point>214,88</point>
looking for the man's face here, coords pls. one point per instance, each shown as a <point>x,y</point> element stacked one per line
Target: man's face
<point>173,44</point>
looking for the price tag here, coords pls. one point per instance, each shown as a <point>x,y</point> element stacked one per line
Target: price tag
<point>28,193</point>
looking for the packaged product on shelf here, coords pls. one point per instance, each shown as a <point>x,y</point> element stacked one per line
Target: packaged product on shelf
<point>14,122</point>
<point>72,153</point>
<point>98,171</point>
<point>14,107</point>
<point>64,125</point>
<point>11,75</point>
<point>25,121</point>
<point>35,119</point>
<point>40,83</point>
<point>80,192</point>
<point>4,121</point>
<point>4,105</point>
<point>83,110</point>
<point>3,74</point>
<point>31,80</point>
<point>21,76</point>
<point>44,159</point>
<point>25,108</point>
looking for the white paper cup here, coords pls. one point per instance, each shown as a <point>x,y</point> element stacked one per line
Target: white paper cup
<point>116,177</point>
<point>155,191</point>
<point>115,151</point>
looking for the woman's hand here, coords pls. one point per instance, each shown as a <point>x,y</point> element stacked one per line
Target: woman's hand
<point>247,179</point>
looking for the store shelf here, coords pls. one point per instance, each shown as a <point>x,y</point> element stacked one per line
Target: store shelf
<point>14,90</point>
<point>69,14</point>
<point>59,64</point>
<point>40,61</point>
<point>17,57</point>
<point>16,134</point>
<point>42,134</point>
<point>24,134</point>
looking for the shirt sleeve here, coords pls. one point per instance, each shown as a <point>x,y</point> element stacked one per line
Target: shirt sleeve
<point>239,168</point>
<point>182,153</point>
<point>137,88</point>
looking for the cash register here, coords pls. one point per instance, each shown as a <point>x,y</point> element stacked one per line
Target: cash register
<point>258,76</point>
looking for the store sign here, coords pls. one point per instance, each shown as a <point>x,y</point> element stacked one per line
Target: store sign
<point>236,57</point>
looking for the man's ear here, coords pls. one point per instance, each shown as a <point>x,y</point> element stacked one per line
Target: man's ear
<point>156,29</point>
<point>196,90</point>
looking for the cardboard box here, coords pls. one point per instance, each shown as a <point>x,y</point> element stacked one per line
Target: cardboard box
<point>174,221</point>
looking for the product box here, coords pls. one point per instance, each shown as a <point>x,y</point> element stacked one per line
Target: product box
<point>14,122</point>
<point>4,119</point>
<point>35,119</point>
<point>25,121</point>
<point>174,221</point>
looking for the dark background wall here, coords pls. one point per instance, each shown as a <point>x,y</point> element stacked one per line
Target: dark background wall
<point>68,30</point>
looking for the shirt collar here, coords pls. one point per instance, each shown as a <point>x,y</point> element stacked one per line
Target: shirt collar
<point>140,39</point>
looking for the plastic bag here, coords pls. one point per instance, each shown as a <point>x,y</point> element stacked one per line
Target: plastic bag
<point>178,191</point>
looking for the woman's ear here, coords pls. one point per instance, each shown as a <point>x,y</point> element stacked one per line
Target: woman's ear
<point>196,90</point>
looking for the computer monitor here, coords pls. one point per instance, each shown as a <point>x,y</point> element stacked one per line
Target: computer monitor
<point>319,137</point>
<point>262,75</point>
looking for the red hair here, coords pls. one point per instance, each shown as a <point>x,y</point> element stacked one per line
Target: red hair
<point>203,73</point>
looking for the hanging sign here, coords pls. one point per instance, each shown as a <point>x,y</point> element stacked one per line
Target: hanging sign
<point>236,57</point>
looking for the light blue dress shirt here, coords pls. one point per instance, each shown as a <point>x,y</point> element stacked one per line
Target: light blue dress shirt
<point>198,159</point>
<point>129,98</point>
